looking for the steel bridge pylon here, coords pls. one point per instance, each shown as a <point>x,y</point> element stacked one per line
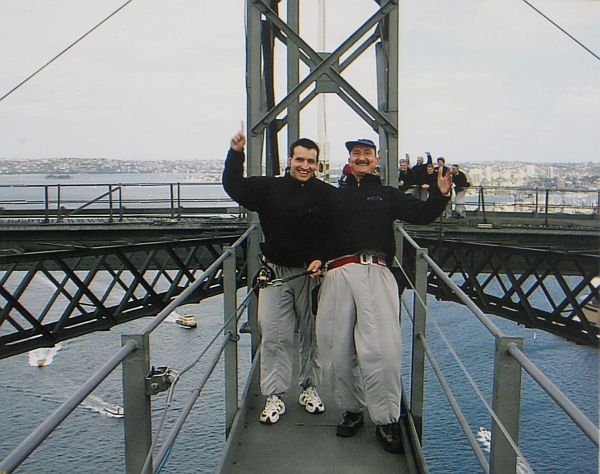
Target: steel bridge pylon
<point>267,115</point>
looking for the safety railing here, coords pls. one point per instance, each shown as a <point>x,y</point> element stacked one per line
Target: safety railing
<point>113,202</point>
<point>118,201</point>
<point>508,364</point>
<point>140,381</point>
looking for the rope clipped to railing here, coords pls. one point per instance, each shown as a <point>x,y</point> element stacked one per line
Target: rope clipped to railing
<point>170,394</point>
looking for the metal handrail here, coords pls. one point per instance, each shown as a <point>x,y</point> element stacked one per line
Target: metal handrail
<point>541,198</point>
<point>29,444</point>
<point>553,391</point>
<point>162,315</point>
<point>455,407</point>
<point>185,411</point>
<point>587,427</point>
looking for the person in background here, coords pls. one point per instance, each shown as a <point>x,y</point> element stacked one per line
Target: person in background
<point>420,169</point>
<point>441,161</point>
<point>345,172</point>
<point>358,327</point>
<point>405,177</point>
<point>428,182</point>
<point>290,213</point>
<point>460,191</point>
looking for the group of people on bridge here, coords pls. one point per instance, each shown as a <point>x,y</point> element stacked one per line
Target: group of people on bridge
<point>421,178</point>
<point>341,240</point>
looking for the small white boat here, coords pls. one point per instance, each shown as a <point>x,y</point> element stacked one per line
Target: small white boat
<point>187,321</point>
<point>41,362</point>
<point>115,411</point>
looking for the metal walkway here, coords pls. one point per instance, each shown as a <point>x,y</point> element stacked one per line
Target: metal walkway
<point>301,442</point>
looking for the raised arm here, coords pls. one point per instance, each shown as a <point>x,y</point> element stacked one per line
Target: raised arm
<point>444,183</point>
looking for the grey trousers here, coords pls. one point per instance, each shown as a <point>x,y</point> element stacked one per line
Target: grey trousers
<point>358,332</point>
<point>281,311</point>
<point>459,202</point>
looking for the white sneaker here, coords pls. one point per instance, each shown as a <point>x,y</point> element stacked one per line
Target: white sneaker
<point>310,400</point>
<point>273,408</point>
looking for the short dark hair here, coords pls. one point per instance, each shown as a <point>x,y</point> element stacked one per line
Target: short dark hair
<point>306,143</point>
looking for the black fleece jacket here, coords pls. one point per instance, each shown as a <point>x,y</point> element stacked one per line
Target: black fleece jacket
<point>360,216</point>
<point>290,211</point>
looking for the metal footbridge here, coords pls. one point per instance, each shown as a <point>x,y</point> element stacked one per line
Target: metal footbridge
<point>189,272</point>
<point>110,258</point>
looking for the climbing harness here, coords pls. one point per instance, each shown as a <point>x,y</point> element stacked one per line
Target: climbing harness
<point>266,276</point>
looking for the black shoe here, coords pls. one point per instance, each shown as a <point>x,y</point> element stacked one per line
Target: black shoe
<point>389,435</point>
<point>350,424</point>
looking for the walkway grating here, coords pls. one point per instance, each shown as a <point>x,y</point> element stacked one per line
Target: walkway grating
<point>304,443</point>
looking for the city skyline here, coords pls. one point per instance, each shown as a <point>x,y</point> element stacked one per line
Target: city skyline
<point>478,80</point>
<point>506,173</point>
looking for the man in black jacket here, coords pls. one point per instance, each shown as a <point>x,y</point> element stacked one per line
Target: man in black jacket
<point>290,213</point>
<point>358,328</point>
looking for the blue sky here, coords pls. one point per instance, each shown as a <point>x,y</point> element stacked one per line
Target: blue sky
<point>480,79</point>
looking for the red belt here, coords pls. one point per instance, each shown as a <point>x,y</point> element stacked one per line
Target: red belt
<point>359,258</point>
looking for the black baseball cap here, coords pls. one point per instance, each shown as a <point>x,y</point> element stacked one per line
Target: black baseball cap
<point>361,141</point>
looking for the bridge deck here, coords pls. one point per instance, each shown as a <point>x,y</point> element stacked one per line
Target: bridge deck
<point>301,442</point>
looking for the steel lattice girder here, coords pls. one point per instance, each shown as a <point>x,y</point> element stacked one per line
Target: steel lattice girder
<point>48,297</point>
<point>264,25</point>
<point>537,288</point>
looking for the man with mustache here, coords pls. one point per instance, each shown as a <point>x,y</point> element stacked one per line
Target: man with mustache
<point>358,327</point>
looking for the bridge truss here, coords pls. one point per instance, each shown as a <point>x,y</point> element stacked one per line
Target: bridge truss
<point>541,289</point>
<point>49,297</point>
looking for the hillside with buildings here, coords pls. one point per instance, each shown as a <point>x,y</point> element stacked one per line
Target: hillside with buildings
<point>485,173</point>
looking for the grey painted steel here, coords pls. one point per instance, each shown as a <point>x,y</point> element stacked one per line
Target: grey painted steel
<point>231,355</point>
<point>417,395</point>
<point>590,430</point>
<point>293,71</point>
<point>387,57</point>
<point>303,443</point>
<point>253,265</point>
<point>137,405</point>
<point>491,327</point>
<point>29,444</point>
<point>195,393</point>
<point>326,66</point>
<point>506,404</point>
<point>162,315</point>
<point>456,408</point>
<point>237,432</point>
<point>324,75</point>
<point>255,99</point>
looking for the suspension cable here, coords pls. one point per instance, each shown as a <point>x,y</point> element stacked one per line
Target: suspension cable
<point>564,31</point>
<point>66,49</point>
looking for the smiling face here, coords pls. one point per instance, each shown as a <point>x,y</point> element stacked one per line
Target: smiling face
<point>363,160</point>
<point>303,163</point>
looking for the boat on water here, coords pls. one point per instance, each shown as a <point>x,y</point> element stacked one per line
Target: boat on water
<point>41,362</point>
<point>115,411</point>
<point>58,176</point>
<point>187,321</point>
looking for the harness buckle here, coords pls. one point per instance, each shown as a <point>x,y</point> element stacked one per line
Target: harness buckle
<point>366,259</point>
